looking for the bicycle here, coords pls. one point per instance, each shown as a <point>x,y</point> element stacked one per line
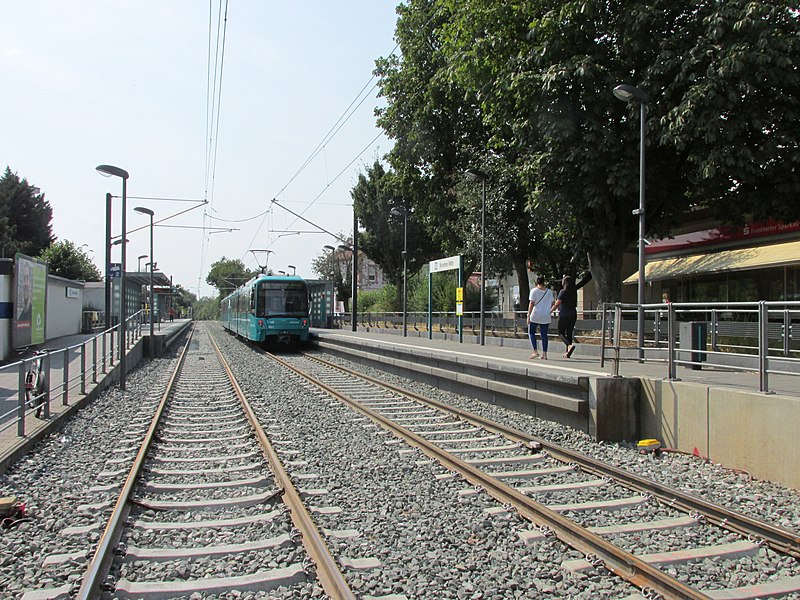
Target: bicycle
<point>36,383</point>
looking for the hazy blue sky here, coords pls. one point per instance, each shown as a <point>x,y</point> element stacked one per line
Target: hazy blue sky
<point>125,83</point>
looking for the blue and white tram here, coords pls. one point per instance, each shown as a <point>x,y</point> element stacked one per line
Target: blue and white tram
<point>268,309</point>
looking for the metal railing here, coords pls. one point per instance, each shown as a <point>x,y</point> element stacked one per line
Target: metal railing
<point>762,337</point>
<point>94,356</point>
<point>505,324</point>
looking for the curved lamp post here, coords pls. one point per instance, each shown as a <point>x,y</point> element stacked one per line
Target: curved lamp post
<point>139,266</point>
<point>108,171</point>
<point>629,93</point>
<point>398,211</point>
<point>146,211</point>
<point>477,175</point>
<point>293,268</point>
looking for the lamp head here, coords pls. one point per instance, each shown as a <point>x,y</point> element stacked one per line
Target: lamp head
<point>144,211</point>
<point>626,93</point>
<point>476,175</point>
<point>397,211</point>
<point>109,170</point>
<point>331,248</point>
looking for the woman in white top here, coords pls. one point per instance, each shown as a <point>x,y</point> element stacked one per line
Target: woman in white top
<point>539,308</point>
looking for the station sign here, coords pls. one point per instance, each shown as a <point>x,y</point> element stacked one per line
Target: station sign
<point>444,264</point>
<point>115,269</point>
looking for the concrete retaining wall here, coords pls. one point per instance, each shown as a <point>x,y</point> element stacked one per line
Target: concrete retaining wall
<point>742,430</point>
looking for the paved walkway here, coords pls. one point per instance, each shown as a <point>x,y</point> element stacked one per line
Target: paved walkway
<point>11,444</point>
<point>585,360</point>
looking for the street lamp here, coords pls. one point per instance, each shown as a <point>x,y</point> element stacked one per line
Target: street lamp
<point>139,267</point>
<point>108,171</point>
<point>281,272</point>
<point>629,93</point>
<point>293,268</point>
<point>397,211</point>
<point>146,211</point>
<point>333,280</point>
<point>477,175</point>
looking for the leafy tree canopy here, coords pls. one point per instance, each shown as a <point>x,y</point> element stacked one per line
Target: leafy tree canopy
<point>69,261</point>
<point>523,91</point>
<point>25,217</point>
<point>228,274</point>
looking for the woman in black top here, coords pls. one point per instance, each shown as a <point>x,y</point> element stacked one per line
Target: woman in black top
<point>567,305</point>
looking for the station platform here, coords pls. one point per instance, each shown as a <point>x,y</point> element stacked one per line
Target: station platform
<point>585,360</point>
<point>716,413</point>
<point>13,445</point>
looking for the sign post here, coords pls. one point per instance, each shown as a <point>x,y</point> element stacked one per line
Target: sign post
<point>447,264</point>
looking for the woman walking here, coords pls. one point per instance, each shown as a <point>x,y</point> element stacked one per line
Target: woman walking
<point>540,306</point>
<point>567,304</point>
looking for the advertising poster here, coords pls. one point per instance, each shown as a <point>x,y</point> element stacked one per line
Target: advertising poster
<point>30,292</point>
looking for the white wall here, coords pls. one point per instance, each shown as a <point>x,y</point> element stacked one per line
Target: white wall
<point>63,314</point>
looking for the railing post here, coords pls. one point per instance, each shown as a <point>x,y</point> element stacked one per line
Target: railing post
<point>94,357</point>
<point>787,331</point>
<point>21,406</point>
<point>671,371</point>
<point>65,379</point>
<point>763,347</point>
<point>83,369</point>
<point>714,321</point>
<point>47,379</point>
<point>603,337</point>
<point>657,328</point>
<point>617,335</point>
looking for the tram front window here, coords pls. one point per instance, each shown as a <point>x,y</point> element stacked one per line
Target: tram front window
<point>288,299</point>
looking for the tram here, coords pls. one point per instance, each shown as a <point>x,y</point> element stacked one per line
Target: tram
<point>268,309</point>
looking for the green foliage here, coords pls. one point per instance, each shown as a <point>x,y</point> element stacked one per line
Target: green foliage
<point>67,260</point>
<point>338,266</point>
<point>523,91</point>
<point>206,309</point>
<point>228,274</point>
<point>381,300</point>
<point>183,299</point>
<point>25,217</point>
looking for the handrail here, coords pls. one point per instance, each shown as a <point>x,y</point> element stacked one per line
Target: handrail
<point>75,352</point>
<point>762,322</point>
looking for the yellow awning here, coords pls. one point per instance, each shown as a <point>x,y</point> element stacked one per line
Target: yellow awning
<point>759,257</point>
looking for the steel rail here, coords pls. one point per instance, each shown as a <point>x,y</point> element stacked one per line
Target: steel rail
<point>90,587</point>
<point>616,560</point>
<point>328,572</point>
<point>781,540</point>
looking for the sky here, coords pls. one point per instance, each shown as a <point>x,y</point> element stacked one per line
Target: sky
<point>128,83</point>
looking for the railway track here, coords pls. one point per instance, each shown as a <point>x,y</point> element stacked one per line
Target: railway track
<point>207,507</point>
<point>571,496</point>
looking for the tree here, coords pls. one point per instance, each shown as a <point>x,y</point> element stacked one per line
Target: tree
<point>523,91</point>
<point>332,265</point>
<point>25,217</point>
<point>66,260</point>
<point>438,119</point>
<point>228,274</point>
<point>182,299</point>
<point>206,309</point>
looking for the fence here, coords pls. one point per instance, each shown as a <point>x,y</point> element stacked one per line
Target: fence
<point>740,336</point>
<point>96,355</point>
